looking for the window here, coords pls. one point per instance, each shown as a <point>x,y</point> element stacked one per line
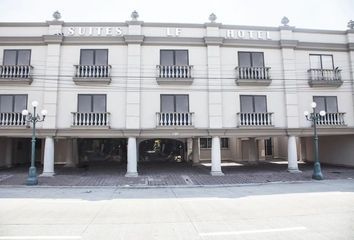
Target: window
<point>328,104</point>
<point>13,103</point>
<point>92,103</point>
<point>174,103</point>
<point>207,142</point>
<point>253,104</point>
<point>320,61</point>
<point>17,57</point>
<point>173,57</point>
<point>250,59</point>
<point>94,57</point>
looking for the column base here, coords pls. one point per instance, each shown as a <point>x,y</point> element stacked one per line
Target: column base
<point>131,174</point>
<point>294,171</point>
<point>217,173</point>
<point>47,174</point>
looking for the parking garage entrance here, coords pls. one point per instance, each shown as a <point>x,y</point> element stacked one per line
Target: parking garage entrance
<point>96,151</point>
<point>162,150</point>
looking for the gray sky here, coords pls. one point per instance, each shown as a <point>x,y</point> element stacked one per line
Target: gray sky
<point>318,14</point>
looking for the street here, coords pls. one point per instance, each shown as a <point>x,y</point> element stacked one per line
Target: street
<point>321,210</point>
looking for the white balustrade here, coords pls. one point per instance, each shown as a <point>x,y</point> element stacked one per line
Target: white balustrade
<point>93,71</point>
<point>255,119</point>
<point>91,118</point>
<point>325,74</point>
<point>12,119</point>
<point>174,71</point>
<point>331,119</point>
<point>256,73</point>
<point>15,71</point>
<point>174,119</point>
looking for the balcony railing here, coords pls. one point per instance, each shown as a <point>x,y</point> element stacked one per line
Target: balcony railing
<point>12,119</point>
<point>174,71</point>
<point>255,119</point>
<point>325,77</point>
<point>331,119</point>
<point>93,71</point>
<point>91,119</point>
<point>174,119</point>
<point>256,73</point>
<point>15,71</point>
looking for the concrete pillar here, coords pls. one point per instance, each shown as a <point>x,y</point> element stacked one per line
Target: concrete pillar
<point>8,153</point>
<point>252,150</point>
<point>196,158</point>
<point>216,157</point>
<point>75,147</point>
<point>292,155</point>
<point>48,167</point>
<point>69,153</point>
<point>132,158</point>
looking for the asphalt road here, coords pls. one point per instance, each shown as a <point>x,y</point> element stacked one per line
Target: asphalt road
<point>308,210</point>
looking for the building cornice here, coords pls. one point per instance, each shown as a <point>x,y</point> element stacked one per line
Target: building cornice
<point>213,40</point>
<point>53,38</point>
<point>138,39</point>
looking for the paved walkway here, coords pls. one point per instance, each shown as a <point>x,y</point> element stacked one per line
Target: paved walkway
<point>172,174</point>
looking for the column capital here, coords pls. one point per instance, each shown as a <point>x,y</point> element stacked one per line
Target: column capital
<point>137,39</point>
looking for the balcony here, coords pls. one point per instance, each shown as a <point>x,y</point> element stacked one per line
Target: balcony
<point>12,119</point>
<point>91,119</point>
<point>325,77</point>
<point>92,74</point>
<point>174,74</point>
<point>331,119</point>
<point>174,119</point>
<point>253,76</point>
<point>263,119</point>
<point>19,74</point>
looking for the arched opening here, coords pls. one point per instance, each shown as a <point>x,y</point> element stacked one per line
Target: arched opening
<point>162,150</point>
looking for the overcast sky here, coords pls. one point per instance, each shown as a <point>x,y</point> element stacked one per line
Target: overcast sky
<point>317,14</point>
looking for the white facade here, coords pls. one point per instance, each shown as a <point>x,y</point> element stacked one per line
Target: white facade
<point>133,89</point>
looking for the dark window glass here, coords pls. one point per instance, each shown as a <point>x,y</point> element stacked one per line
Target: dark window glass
<point>167,103</point>
<point>244,59</point>
<point>257,59</point>
<point>224,143</point>
<point>246,104</point>
<point>20,103</point>
<point>181,57</point>
<point>94,57</point>
<point>92,103</point>
<point>173,57</point>
<point>182,104</point>
<point>251,104</point>
<point>250,59</point>
<point>260,104</point>
<point>319,61</point>
<point>174,103</point>
<point>207,142</point>
<point>99,103</point>
<point>328,104</point>
<point>6,103</point>
<point>101,57</point>
<point>13,103</point>
<point>17,57</point>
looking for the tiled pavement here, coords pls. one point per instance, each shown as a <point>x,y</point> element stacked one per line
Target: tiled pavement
<point>171,174</point>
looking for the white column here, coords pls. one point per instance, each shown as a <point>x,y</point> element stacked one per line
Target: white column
<point>252,151</point>
<point>8,153</point>
<point>292,155</point>
<point>216,157</point>
<point>195,152</point>
<point>48,166</point>
<point>132,158</point>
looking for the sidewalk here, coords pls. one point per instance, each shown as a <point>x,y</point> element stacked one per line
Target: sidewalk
<point>171,174</point>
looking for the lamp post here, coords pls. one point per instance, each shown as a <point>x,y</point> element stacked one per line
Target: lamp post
<point>314,117</point>
<point>33,118</point>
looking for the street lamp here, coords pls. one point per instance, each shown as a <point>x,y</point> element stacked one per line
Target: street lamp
<point>33,118</point>
<point>314,117</point>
